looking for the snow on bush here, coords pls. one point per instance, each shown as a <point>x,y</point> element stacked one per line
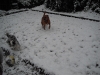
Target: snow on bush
<point>25,2</point>
<point>71,5</point>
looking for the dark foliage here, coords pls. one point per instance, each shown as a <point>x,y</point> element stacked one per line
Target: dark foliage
<point>5,4</point>
<point>17,4</point>
<point>29,3</point>
<point>72,5</point>
<point>60,5</point>
<point>56,5</point>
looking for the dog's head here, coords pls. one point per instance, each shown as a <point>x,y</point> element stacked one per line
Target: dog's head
<point>7,34</point>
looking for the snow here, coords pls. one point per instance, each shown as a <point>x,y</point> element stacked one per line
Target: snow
<point>88,14</point>
<point>70,47</point>
<point>2,12</point>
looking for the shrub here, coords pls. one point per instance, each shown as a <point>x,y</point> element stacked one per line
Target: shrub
<point>5,4</point>
<point>24,3</point>
<point>29,3</point>
<point>60,5</point>
<point>72,5</point>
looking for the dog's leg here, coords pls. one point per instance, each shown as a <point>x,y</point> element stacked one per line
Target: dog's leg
<point>44,27</point>
<point>49,26</point>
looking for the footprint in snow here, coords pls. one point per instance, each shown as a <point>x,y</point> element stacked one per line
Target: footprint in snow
<point>90,36</point>
<point>70,49</point>
<point>81,46</point>
<point>68,29</point>
<point>51,50</point>
<point>94,46</point>
<point>82,40</point>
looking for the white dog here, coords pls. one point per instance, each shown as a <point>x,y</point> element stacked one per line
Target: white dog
<point>13,42</point>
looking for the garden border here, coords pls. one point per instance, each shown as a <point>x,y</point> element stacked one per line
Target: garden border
<point>83,18</point>
<point>69,16</point>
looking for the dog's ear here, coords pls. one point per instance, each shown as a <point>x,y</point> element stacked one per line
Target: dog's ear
<point>7,34</point>
<point>44,12</point>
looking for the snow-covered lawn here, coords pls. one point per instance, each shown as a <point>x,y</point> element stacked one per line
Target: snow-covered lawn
<point>70,47</point>
<point>88,14</point>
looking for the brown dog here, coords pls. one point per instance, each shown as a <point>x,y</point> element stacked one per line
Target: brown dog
<point>45,21</point>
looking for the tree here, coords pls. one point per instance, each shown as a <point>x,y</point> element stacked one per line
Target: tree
<point>60,5</point>
<point>87,5</point>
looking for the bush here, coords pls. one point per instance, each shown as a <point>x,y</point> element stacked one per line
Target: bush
<point>9,4</point>
<point>29,3</point>
<point>24,3</point>
<point>60,5</point>
<point>5,4</point>
<point>72,5</point>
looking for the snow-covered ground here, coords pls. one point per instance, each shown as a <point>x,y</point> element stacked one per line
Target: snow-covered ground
<point>70,47</point>
<point>88,14</point>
